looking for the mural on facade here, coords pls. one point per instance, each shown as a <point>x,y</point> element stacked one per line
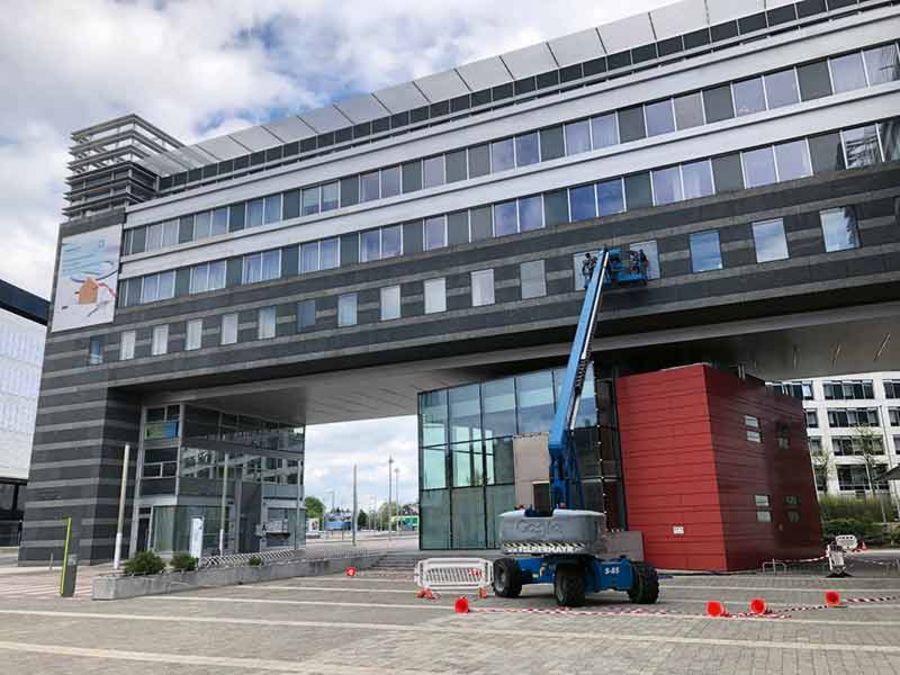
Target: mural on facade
<point>88,279</point>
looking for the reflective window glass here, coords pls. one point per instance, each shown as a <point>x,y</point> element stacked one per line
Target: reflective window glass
<point>412,176</point>
<point>273,209</point>
<point>309,257</point>
<point>310,201</point>
<point>532,279</point>
<point>861,146</point>
<point>347,310</point>
<point>498,402</point>
<point>890,139</point>
<point>882,64</point>
<point>433,171</point>
<point>265,328</point>
<point>717,103</point>
<point>527,149</point>
<point>435,233</point>
<point>330,192</point>
<point>229,333</point>
<point>369,186</point>
<point>815,82</point>
<point>697,179</point>
<point>502,155</point>
<point>759,167</point>
<point>252,271</point>
<point>638,194</point>
<point>202,224</point>
<point>433,417</point>
<point>827,152</point>
<point>792,160</point>
<point>769,240</point>
<point>648,254</point>
<point>667,185</point>
<point>219,222</point>
<point>126,345</point>
<point>159,344</point>
<point>531,213</point>
<point>271,265</point>
<point>611,197</point>
<point>482,288</point>
<point>582,203</point>
<point>170,230</point>
<point>369,245</point>
<point>781,88</point>
<point>465,413</point>
<point>552,143</point>
<point>839,229</point>
<point>456,168</point>
<point>847,72</point>
<point>505,219</point>
<point>689,110</point>
<point>435,295</point>
<point>254,212</point>
<point>479,161</point>
<point>390,181</point>
<point>349,191</point>
<point>705,252</point>
<point>556,207</point>
<point>604,131</point>
<point>390,303</point>
<point>631,124</point>
<point>199,278</point>
<point>660,117</point>
<point>154,237</point>
<point>217,271</point>
<point>391,241</point>
<point>748,96</point>
<point>306,315</point>
<point>329,253</point>
<point>481,223</point>
<point>167,285</point>
<point>578,137</point>
<point>534,398</point>
<point>150,289</point>
<point>727,173</point>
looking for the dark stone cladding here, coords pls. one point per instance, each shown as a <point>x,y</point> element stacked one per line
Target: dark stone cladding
<point>743,289</point>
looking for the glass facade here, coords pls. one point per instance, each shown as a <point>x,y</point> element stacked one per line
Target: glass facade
<point>466,454</point>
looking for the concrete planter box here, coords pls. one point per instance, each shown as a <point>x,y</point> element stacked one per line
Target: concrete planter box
<point>120,587</point>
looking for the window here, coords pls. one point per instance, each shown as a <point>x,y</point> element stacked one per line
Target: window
<point>265,327</point>
<point>792,160</point>
<point>532,279</point>
<point>611,197</point>
<point>391,241</point>
<point>95,350</point>
<point>604,131</point>
<point>783,433</point>
<point>158,287</point>
<point>456,168</point>
<point>667,185</point>
<point>369,245</point>
<point>802,391</point>
<point>390,303</point>
<point>839,229</point>
<point>479,161</point>
<point>855,477</point>
<point>154,237</point>
<point>769,240</point>
<point>349,191</point>
<point>219,222</point>
<point>505,219</point>
<point>631,124</point>
<point>531,214</point>
<point>435,233</point>
<point>849,389</point>
<point>815,82</point>
<point>727,173</point>
<point>159,343</point>
<point>848,446</point>
<point>751,428</point>
<point>481,223</point>
<point>697,179</point>
<point>717,103</point>
<point>330,194</point>
<point>390,181</point>
<point>749,96</point>
<point>527,149</point>
<point>194,336</point>
<point>261,267</point>
<point>660,117</point>
<point>861,146</point>
<point>651,256</point>
<point>705,253</point>
<point>502,155</point>
<point>309,257</point>
<point>852,417</point>
<point>815,445</point>
<point>578,137</point>
<point>896,445</point>
<point>272,209</point>
<point>207,277</point>
<point>812,419</point>
<point>433,171</point>
<point>892,388</point>
<point>482,288</point>
<point>781,88</point>
<point>347,304</point>
<point>847,72</point>
<point>638,193</point>
<point>553,142</point>
<point>435,296</point>
<point>229,334</point>
<point>759,167</point>
<point>689,110</point>
<point>126,345</point>
<point>763,508</point>
<point>369,186</point>
<point>882,64</point>
<point>411,176</point>
<point>329,253</point>
<point>582,203</point>
<point>306,315</point>
<point>894,417</point>
<point>254,212</point>
<point>310,201</point>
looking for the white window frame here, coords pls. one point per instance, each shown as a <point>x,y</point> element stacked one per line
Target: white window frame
<point>438,303</point>
<point>127,342</point>
<point>193,338</point>
<point>264,329</point>
<point>387,291</point>
<point>230,327</point>
<point>159,343</point>
<point>475,279</point>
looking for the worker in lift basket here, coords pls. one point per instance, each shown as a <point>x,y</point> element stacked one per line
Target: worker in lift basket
<point>587,267</point>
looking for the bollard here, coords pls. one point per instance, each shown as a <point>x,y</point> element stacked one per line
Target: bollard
<point>758,607</point>
<point>351,571</point>
<point>461,606</point>
<point>832,599</point>
<point>716,609</point>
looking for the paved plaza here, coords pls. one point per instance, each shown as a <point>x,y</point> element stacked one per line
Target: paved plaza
<point>375,624</point>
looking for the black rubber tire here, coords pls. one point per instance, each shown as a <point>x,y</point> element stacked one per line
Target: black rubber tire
<point>507,578</point>
<point>645,588</point>
<point>568,586</point>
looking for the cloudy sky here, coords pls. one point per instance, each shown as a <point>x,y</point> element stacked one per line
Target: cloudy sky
<point>202,68</point>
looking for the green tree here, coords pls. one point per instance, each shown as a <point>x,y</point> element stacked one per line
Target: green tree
<point>314,508</point>
<point>362,520</point>
<point>871,447</point>
<point>821,462</point>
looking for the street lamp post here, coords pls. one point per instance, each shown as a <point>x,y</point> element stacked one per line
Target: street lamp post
<point>390,466</point>
<point>397,494</point>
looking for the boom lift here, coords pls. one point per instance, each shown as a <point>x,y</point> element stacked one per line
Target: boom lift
<point>566,546</point>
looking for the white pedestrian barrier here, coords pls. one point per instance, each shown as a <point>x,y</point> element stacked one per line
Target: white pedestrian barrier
<point>454,573</point>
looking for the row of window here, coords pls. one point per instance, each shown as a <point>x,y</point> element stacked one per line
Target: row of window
<point>852,148</point>
<point>838,389</point>
<point>850,446</point>
<point>815,80</point>
<point>763,505</point>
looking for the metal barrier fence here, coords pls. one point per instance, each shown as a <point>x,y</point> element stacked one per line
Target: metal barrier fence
<point>454,573</point>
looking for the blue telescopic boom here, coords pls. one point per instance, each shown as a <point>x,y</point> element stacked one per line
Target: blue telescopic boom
<point>565,480</point>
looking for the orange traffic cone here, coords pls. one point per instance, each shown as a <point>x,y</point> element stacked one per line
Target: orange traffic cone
<point>832,599</point>
<point>461,606</point>
<point>716,609</point>
<point>758,606</point>
<point>862,546</point>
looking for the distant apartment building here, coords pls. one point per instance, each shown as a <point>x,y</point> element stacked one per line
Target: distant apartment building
<point>836,410</point>
<point>23,327</point>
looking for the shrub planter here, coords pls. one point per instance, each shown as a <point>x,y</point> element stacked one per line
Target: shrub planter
<point>119,587</point>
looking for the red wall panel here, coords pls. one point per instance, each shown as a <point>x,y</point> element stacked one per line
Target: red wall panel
<point>687,462</point>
